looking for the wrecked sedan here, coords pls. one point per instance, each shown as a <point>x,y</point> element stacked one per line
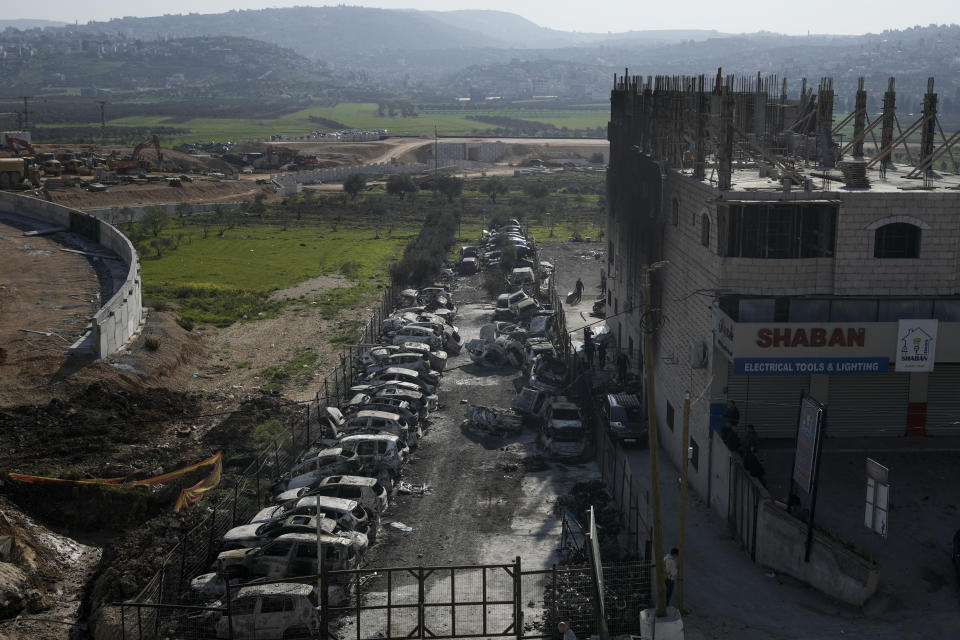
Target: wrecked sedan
<point>563,436</point>
<point>548,374</point>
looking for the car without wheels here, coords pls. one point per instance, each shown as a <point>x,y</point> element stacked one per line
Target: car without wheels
<point>318,465</point>
<point>378,451</point>
<point>368,421</point>
<point>279,611</point>
<point>287,556</point>
<point>563,436</point>
<point>367,491</point>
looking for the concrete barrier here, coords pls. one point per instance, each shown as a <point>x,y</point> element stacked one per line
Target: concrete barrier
<point>832,569</point>
<point>118,319</point>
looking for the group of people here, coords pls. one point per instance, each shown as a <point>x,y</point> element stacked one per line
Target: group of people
<point>599,349</point>
<point>747,446</point>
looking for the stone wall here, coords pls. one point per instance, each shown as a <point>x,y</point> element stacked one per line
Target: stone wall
<point>118,319</point>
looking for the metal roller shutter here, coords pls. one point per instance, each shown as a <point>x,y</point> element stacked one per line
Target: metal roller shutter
<point>943,401</point>
<point>769,403</point>
<point>868,405</point>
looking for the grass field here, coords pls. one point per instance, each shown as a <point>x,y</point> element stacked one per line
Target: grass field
<point>364,116</point>
<point>219,280</point>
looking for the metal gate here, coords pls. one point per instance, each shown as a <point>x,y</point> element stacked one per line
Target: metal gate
<point>425,602</point>
<point>743,506</point>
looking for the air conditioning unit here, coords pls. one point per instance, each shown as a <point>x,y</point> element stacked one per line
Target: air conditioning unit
<point>699,354</point>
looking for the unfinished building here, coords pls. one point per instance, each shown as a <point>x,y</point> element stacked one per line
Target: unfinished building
<point>798,255</point>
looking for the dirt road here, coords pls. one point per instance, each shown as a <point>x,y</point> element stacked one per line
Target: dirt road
<point>490,499</point>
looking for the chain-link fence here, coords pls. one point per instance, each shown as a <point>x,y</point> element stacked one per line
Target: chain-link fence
<point>240,496</point>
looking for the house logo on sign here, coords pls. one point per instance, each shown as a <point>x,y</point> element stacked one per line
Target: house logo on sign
<point>917,345</point>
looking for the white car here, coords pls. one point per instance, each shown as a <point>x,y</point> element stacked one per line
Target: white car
<point>378,451</point>
<point>272,612</point>
<point>367,491</point>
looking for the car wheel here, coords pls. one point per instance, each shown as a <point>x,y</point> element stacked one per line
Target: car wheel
<point>297,633</point>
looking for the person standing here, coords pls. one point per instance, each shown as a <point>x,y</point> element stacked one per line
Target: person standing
<point>602,353</point>
<point>623,363</point>
<point>603,282</point>
<point>671,571</point>
<point>578,288</point>
<point>588,347</point>
<point>566,633</point>
<point>732,416</point>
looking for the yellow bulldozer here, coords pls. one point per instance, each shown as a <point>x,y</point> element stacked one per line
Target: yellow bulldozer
<point>16,172</point>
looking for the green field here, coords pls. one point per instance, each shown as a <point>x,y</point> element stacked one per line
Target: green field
<point>364,116</point>
<point>219,280</point>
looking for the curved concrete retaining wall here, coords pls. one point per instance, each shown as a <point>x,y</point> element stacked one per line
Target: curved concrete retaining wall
<point>120,316</point>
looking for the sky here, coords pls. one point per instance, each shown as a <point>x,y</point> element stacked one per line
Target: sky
<point>730,16</point>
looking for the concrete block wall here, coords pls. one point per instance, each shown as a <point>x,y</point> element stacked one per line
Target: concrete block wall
<point>778,277</point>
<point>118,319</point>
<point>687,318</point>
<point>935,272</point>
<point>833,569</point>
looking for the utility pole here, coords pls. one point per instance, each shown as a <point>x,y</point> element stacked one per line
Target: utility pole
<point>103,122</point>
<point>652,440</point>
<point>683,498</point>
<point>26,112</point>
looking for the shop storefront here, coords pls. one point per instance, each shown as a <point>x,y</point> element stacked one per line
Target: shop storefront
<point>880,379</point>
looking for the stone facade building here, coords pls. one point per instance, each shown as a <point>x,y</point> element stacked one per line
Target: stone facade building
<point>784,270</point>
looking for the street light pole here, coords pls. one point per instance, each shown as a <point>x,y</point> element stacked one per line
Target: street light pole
<point>648,319</point>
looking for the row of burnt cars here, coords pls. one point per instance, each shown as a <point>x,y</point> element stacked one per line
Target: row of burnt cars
<point>334,496</point>
<point>522,335</point>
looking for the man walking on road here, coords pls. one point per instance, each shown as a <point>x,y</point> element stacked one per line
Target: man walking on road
<point>578,288</point>
<point>670,571</point>
<point>588,346</point>
<point>603,282</point>
<point>602,353</point>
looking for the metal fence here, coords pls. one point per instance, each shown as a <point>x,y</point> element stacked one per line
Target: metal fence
<point>402,603</point>
<point>743,506</point>
<point>240,496</point>
<point>629,497</point>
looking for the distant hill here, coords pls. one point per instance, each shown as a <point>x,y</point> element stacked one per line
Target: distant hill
<point>28,23</point>
<point>315,32</point>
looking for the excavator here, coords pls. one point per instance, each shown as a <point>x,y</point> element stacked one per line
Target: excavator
<point>14,143</point>
<point>133,163</point>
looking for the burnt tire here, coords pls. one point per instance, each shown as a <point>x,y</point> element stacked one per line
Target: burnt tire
<point>4,180</point>
<point>297,633</point>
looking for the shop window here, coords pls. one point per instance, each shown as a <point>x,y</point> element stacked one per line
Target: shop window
<point>694,454</point>
<point>947,310</point>
<point>808,310</point>
<point>705,230</point>
<point>757,310</point>
<point>897,240</point>
<point>670,415</point>
<point>675,208</point>
<point>893,310</point>
<point>853,311</point>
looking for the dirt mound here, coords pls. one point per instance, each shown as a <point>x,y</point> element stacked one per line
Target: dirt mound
<point>87,433</point>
